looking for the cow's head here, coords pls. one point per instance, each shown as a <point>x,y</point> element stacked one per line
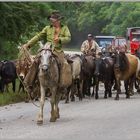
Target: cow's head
<point>22,68</point>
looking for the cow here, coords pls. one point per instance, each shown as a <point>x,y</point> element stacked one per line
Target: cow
<point>126,68</point>
<point>77,81</point>
<point>104,72</point>
<point>8,74</point>
<point>22,67</point>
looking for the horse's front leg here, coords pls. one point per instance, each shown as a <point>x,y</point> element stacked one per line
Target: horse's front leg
<point>52,101</point>
<point>57,99</point>
<point>42,101</point>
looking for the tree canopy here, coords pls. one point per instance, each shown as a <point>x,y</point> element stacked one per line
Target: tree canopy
<point>22,20</point>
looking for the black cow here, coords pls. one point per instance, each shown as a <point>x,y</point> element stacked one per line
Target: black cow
<point>7,74</point>
<point>104,72</point>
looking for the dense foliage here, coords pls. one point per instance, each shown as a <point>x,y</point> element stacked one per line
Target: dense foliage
<point>22,20</point>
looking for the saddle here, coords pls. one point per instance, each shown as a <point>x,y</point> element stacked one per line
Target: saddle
<point>69,60</point>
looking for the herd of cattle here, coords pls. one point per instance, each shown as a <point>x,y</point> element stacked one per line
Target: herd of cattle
<point>87,72</point>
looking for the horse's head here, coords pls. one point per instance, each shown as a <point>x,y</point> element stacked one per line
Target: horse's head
<point>45,56</point>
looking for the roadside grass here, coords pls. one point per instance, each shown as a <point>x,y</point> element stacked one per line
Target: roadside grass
<point>11,97</point>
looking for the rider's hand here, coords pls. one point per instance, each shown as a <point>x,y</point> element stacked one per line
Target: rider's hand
<point>56,40</point>
<point>26,46</point>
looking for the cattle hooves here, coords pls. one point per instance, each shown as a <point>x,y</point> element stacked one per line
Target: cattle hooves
<point>96,97</point>
<point>73,100</point>
<point>127,97</point>
<point>105,97</point>
<point>117,98</point>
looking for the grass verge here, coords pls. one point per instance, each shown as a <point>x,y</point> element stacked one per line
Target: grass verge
<point>10,98</point>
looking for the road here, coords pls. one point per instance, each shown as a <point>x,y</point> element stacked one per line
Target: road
<point>102,119</point>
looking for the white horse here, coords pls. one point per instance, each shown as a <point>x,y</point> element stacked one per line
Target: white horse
<point>49,78</point>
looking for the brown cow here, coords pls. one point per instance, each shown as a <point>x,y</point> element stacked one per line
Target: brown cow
<point>126,67</point>
<point>22,67</point>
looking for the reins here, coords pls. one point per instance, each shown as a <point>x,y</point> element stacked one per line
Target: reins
<point>25,53</point>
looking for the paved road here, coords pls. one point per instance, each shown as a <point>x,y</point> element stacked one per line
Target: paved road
<point>103,119</point>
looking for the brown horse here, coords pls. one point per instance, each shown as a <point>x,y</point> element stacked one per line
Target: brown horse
<point>126,67</point>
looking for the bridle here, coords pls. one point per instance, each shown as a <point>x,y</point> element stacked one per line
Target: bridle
<point>46,50</point>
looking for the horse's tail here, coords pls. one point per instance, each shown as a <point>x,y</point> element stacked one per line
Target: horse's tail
<point>138,69</point>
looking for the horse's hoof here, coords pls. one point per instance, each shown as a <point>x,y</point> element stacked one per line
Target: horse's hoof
<point>131,94</point>
<point>127,97</point>
<point>58,116</point>
<point>52,119</point>
<point>26,101</point>
<point>138,90</point>
<point>117,98</point>
<point>96,97</point>
<point>67,102</point>
<point>73,100</point>
<point>39,122</point>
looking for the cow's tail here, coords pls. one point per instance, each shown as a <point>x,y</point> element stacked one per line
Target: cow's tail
<point>138,69</point>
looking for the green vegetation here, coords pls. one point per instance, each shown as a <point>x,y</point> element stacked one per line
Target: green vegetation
<point>10,97</point>
<point>22,20</point>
